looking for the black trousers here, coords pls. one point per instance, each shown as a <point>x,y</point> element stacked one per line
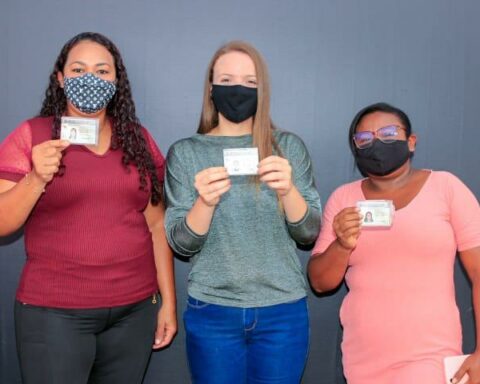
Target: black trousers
<point>80,346</point>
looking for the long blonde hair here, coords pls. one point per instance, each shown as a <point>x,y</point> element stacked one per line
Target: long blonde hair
<point>262,124</point>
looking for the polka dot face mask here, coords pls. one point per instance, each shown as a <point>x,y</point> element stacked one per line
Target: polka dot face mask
<point>88,93</point>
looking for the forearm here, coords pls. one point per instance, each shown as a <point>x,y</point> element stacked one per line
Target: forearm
<point>188,234</point>
<point>327,270</point>
<point>200,217</point>
<point>165,269</point>
<point>306,226</point>
<point>17,201</point>
<point>294,205</point>
<point>476,308</point>
<point>471,261</point>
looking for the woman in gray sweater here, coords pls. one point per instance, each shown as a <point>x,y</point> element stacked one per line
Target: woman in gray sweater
<point>246,319</point>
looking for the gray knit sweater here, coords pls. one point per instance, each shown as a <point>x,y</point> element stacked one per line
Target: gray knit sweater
<point>248,258</point>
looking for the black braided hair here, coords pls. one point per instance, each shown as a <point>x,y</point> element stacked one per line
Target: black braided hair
<point>126,130</point>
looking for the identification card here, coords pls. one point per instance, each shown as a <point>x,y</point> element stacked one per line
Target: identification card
<point>452,364</point>
<point>80,130</point>
<point>241,161</point>
<point>376,213</point>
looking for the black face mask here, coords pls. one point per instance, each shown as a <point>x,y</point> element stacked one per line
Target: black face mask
<point>381,159</point>
<point>235,102</point>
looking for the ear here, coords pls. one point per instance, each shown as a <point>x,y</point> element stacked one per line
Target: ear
<point>412,142</point>
<point>60,78</point>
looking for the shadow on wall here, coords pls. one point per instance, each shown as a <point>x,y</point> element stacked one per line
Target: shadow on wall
<point>10,239</point>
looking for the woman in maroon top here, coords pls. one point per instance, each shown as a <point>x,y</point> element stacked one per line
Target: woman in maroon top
<point>86,308</point>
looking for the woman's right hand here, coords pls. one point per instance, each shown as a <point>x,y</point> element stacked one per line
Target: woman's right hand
<point>347,224</point>
<point>46,158</point>
<point>211,184</point>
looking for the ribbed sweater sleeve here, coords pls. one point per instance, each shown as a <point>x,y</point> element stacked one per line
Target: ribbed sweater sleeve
<point>180,199</point>
<point>304,231</point>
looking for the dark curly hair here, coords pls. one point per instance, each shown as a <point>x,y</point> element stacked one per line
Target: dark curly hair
<point>126,129</point>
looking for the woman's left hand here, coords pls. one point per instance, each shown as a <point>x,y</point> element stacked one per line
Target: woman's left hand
<point>166,326</point>
<point>471,366</point>
<point>276,172</point>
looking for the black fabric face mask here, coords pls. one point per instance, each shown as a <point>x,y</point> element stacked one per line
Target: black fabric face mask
<point>381,159</point>
<point>235,102</point>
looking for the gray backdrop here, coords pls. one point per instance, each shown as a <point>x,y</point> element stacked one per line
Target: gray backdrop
<point>327,59</point>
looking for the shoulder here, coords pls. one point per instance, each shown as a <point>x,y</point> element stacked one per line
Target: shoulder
<point>41,128</point>
<point>346,191</point>
<point>182,147</point>
<point>152,146</point>
<point>345,195</point>
<point>36,123</point>
<point>291,144</point>
<point>40,123</point>
<point>444,176</point>
<point>145,132</point>
<point>447,182</point>
<point>444,179</point>
<point>286,138</point>
<point>23,129</point>
<point>32,131</point>
<point>148,136</point>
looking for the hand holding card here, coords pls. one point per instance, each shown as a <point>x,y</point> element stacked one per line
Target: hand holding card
<point>211,184</point>
<point>346,225</point>
<point>46,158</point>
<point>276,172</point>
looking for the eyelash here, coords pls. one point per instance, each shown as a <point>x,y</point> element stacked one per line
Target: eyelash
<point>100,71</point>
<point>251,82</point>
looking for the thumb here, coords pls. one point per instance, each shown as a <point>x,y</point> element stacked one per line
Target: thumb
<point>60,144</point>
<point>159,333</point>
<point>459,375</point>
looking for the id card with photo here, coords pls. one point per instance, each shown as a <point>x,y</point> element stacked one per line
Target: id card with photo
<point>376,213</point>
<point>80,130</point>
<point>452,364</point>
<point>241,161</point>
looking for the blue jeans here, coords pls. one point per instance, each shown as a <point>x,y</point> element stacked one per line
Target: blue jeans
<point>230,345</point>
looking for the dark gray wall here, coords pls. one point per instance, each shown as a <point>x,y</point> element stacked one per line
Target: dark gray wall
<point>327,59</point>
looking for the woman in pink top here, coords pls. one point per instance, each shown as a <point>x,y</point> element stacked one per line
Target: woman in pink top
<point>87,309</point>
<point>399,317</point>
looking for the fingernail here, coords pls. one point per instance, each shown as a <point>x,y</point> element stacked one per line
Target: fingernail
<point>157,341</point>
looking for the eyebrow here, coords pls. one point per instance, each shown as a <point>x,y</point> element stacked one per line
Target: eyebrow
<point>82,63</point>
<point>229,74</point>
